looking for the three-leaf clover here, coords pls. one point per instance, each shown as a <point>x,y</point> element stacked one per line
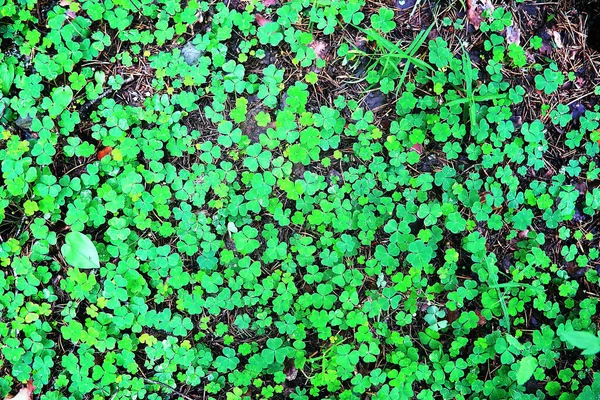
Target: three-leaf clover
<point>383,20</point>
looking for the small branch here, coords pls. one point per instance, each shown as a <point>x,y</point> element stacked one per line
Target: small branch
<point>84,110</point>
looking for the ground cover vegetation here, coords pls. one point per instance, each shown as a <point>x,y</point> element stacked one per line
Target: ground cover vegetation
<point>300,199</point>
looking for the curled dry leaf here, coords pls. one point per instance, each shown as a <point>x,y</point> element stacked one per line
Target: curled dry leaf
<point>475,9</point>
<point>24,393</point>
<point>260,20</point>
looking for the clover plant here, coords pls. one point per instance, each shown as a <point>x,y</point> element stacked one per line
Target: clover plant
<point>301,199</point>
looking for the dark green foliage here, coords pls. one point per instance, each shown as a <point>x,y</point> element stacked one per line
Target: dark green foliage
<point>244,236</point>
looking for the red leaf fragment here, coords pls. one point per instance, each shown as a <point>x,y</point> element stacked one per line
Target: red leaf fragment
<point>260,20</point>
<point>418,148</point>
<point>481,320</point>
<point>104,152</point>
<point>269,3</point>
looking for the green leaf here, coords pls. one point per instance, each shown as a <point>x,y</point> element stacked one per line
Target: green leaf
<point>7,76</point>
<point>526,368</point>
<point>588,342</point>
<point>79,251</point>
<point>61,98</point>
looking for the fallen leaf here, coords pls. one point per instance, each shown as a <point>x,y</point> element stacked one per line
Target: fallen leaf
<point>24,393</point>
<point>319,48</point>
<point>481,320</point>
<point>418,148</point>
<point>451,316</point>
<point>557,39</point>
<point>269,3</point>
<point>104,152</point>
<point>291,373</point>
<point>547,47</point>
<point>527,367</point>
<point>79,251</point>
<point>475,9</point>
<point>260,20</point>
<point>581,187</point>
<point>513,35</point>
<point>191,54</point>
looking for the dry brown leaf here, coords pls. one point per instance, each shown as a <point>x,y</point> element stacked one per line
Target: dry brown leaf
<point>475,9</point>
<point>24,393</point>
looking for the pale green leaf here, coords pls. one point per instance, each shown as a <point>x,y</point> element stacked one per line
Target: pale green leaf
<point>79,251</point>
<point>526,369</point>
